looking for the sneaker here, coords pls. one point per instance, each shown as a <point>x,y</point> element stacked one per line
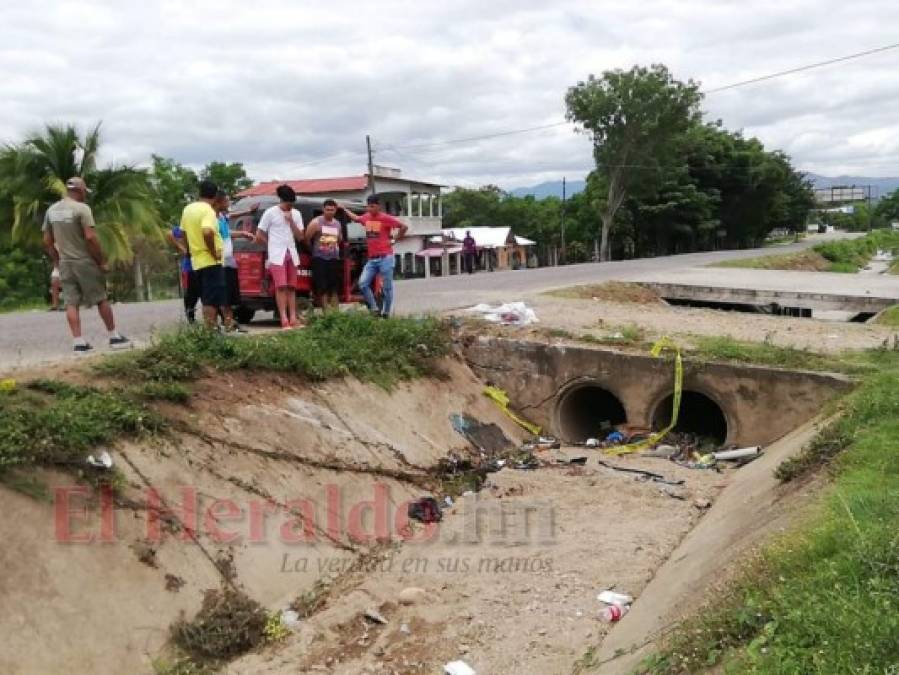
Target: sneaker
<point>83,349</point>
<point>120,342</point>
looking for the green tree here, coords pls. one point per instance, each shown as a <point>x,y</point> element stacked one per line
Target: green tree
<point>887,209</point>
<point>230,177</point>
<point>174,185</point>
<point>33,175</point>
<point>634,119</point>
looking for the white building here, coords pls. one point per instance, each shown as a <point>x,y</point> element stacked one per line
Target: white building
<point>417,203</point>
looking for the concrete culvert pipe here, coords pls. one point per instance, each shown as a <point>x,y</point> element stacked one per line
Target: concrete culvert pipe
<point>588,411</point>
<point>699,415</point>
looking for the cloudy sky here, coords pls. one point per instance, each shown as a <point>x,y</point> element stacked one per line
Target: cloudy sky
<point>291,88</point>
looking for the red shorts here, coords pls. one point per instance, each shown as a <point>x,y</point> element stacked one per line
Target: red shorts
<point>285,275</point>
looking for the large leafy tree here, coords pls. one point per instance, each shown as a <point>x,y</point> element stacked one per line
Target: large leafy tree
<point>33,175</point>
<point>230,177</point>
<point>635,119</point>
<point>174,185</point>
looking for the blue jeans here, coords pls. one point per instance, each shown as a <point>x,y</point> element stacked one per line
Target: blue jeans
<point>384,267</point>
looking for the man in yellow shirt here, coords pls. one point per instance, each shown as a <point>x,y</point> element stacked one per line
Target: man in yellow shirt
<point>204,241</point>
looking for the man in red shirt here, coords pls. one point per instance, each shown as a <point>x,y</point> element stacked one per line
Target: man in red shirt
<point>378,227</point>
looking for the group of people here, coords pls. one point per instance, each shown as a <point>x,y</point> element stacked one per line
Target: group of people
<point>209,269</point>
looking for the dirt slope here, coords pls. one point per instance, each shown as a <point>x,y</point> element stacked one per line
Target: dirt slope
<point>255,444</point>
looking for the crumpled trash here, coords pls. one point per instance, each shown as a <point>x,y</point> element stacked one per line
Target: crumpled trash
<point>375,616</point>
<point>425,510</point>
<point>458,668</point>
<point>508,314</point>
<point>290,618</point>
<point>101,461</point>
<point>592,443</point>
<point>612,598</point>
<point>616,437</point>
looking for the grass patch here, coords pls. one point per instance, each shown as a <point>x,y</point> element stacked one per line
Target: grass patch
<point>809,261</point>
<point>889,317</point>
<point>822,599</point>
<point>334,345</point>
<point>609,291</point>
<point>720,348</point>
<point>844,255</point>
<point>53,424</point>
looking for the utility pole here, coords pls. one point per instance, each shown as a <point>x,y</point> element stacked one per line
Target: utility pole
<point>371,166</point>
<point>562,222</point>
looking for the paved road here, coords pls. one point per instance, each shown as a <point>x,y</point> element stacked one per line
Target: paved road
<point>31,338</point>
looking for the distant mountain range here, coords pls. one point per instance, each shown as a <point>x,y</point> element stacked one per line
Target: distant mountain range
<point>880,186</point>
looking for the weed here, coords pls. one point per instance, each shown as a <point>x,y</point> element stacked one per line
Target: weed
<point>228,624</point>
<point>309,602</point>
<point>154,390</point>
<point>275,630</point>
<point>609,291</point>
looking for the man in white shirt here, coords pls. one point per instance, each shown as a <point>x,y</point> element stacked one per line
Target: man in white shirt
<point>280,228</point>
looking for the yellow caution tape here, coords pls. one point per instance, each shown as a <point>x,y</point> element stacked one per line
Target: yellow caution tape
<point>502,400</point>
<point>656,351</point>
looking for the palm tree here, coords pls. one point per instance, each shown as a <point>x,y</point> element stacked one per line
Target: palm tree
<point>33,175</point>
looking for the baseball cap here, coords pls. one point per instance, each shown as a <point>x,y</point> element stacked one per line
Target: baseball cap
<point>76,183</point>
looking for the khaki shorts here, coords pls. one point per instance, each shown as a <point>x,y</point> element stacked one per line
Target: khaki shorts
<point>83,282</point>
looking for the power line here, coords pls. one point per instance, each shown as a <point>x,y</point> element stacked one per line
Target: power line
<point>734,85</point>
<point>800,69</point>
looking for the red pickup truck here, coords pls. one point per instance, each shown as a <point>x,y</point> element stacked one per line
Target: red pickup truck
<point>256,291</point>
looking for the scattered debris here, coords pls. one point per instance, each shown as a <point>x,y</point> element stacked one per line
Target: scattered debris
<point>448,502</point>
<point>487,438</point>
<point>615,437</point>
<point>613,613</point>
<point>145,553</point>
<point>375,616</point>
<point>656,477</point>
<point>173,583</point>
<point>610,597</point>
<point>548,443</point>
<point>581,461</point>
<point>508,314</point>
<point>405,630</point>
<point>502,400</point>
<point>738,453</point>
<point>290,619</point>
<point>425,510</point>
<point>669,491</point>
<point>663,451</point>
<point>412,595</point>
<point>101,461</point>
<point>592,443</point>
<point>458,668</point>
<point>702,504</point>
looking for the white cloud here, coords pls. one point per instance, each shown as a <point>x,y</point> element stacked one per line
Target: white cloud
<point>291,88</point>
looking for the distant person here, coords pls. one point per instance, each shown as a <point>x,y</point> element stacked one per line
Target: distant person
<point>190,283</point>
<point>55,288</point>
<point>204,241</point>
<point>378,228</point>
<point>323,236</point>
<point>280,228</point>
<point>71,242</point>
<point>469,252</point>
<point>232,279</point>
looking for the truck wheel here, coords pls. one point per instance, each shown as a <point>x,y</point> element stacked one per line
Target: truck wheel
<point>245,314</point>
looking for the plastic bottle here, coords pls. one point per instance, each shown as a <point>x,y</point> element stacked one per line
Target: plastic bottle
<point>612,613</point>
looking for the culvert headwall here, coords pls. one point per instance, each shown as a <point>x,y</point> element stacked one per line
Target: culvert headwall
<point>572,390</point>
